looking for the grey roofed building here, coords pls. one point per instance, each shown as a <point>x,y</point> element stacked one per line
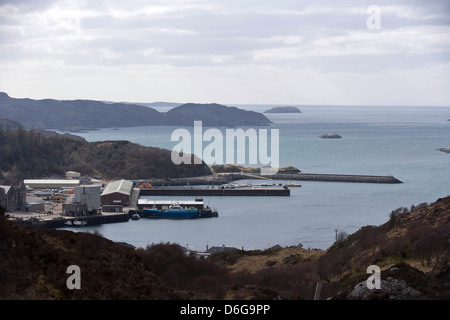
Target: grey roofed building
<point>221,249</point>
<point>12,197</point>
<point>119,186</point>
<point>117,192</point>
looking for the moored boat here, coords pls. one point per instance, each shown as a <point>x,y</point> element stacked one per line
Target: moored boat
<point>174,212</point>
<point>135,216</point>
<point>79,223</point>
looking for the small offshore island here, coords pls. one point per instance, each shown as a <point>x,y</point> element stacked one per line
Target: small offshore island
<point>446,150</point>
<point>330,136</point>
<point>283,110</point>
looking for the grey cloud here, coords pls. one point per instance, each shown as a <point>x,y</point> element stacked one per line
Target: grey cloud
<point>323,35</point>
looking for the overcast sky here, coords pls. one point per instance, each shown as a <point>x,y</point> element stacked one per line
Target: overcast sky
<point>228,51</point>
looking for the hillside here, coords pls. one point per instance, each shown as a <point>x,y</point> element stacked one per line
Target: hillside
<point>6,124</point>
<point>89,114</point>
<point>412,250</point>
<point>213,114</point>
<point>29,154</point>
<point>34,262</point>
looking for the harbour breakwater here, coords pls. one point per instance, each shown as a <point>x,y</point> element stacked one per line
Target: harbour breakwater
<point>339,178</point>
<point>225,178</point>
<point>163,191</point>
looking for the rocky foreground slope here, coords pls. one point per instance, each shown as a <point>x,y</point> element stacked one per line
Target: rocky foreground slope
<point>411,249</point>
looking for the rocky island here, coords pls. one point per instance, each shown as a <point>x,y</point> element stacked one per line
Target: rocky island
<point>330,136</point>
<point>446,150</point>
<point>283,110</point>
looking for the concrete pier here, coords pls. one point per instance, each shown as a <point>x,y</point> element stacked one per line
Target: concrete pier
<point>91,220</point>
<point>224,178</point>
<point>337,178</point>
<point>163,191</point>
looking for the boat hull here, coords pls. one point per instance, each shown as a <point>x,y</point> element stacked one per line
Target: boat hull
<point>176,214</point>
<point>170,214</point>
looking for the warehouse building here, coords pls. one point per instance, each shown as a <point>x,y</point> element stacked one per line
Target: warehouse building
<point>51,183</point>
<point>117,193</point>
<point>12,197</point>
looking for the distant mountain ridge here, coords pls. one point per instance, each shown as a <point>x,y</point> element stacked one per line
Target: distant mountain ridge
<point>91,114</point>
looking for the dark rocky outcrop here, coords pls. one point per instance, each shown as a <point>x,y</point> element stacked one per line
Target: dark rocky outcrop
<point>446,150</point>
<point>330,136</point>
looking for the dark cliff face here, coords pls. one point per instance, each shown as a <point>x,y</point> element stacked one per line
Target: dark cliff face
<point>89,114</point>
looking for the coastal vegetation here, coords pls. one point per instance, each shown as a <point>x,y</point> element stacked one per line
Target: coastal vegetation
<point>411,249</point>
<point>31,154</point>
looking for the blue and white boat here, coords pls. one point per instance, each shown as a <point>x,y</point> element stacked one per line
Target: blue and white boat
<point>174,212</point>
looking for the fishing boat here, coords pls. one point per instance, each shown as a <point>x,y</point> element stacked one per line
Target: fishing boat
<point>79,223</point>
<point>293,185</point>
<point>174,212</point>
<point>68,223</point>
<point>75,223</point>
<point>135,216</point>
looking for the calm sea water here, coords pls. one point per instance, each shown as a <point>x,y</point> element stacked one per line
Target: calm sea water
<point>397,141</point>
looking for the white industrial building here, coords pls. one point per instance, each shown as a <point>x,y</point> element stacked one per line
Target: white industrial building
<point>85,201</point>
<point>51,183</point>
<point>90,195</point>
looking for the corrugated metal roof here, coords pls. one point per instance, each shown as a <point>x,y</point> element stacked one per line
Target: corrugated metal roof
<point>119,186</point>
<point>51,182</point>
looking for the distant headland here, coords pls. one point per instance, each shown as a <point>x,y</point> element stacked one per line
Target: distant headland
<point>91,114</point>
